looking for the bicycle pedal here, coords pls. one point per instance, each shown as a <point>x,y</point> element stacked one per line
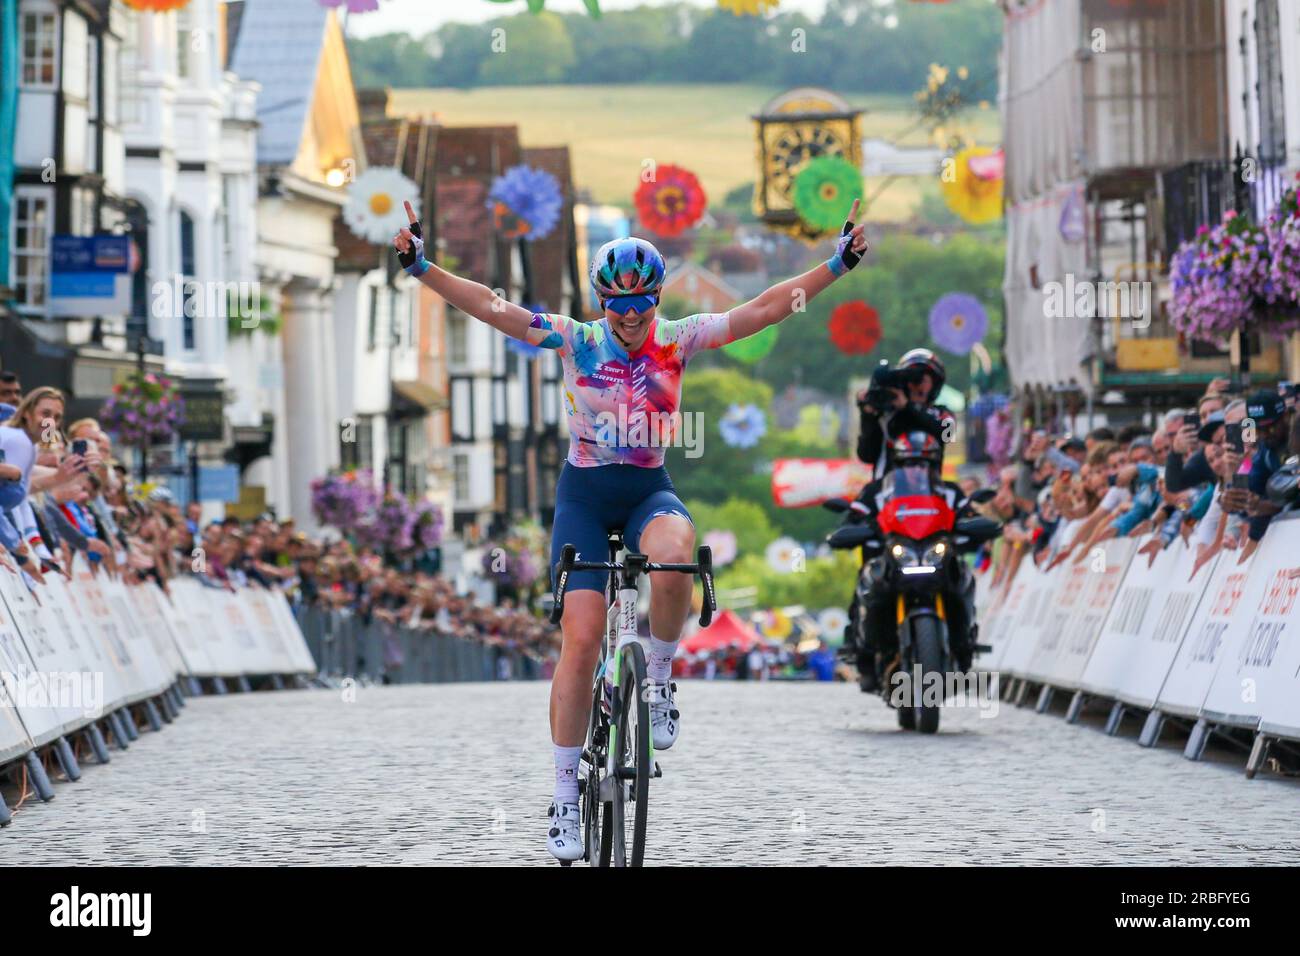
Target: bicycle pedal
<point>983,648</point>
<point>658,771</point>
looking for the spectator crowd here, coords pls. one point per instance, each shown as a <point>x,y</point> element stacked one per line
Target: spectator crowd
<point>1215,474</point>
<point>63,492</point>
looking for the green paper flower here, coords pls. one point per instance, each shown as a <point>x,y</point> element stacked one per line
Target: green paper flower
<point>754,347</point>
<point>824,191</point>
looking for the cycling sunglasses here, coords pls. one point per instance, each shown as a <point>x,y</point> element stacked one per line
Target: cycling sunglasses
<point>623,304</point>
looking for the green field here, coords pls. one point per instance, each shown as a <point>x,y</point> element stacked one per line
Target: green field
<point>612,130</point>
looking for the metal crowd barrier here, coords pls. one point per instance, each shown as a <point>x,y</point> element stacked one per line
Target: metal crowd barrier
<point>343,647</point>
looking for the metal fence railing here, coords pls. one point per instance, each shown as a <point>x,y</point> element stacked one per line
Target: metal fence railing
<point>343,646</point>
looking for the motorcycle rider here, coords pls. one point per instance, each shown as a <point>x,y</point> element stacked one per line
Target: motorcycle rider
<point>902,400</point>
<point>917,460</point>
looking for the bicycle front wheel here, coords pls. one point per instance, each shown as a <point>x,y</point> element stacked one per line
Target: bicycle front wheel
<point>632,760</point>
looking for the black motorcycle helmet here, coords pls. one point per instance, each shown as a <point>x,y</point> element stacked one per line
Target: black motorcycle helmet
<point>923,360</point>
<point>917,446</point>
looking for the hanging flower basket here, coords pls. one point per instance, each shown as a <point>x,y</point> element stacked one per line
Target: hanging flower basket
<point>144,410</point>
<point>1283,231</point>
<point>344,500</point>
<point>1222,282</point>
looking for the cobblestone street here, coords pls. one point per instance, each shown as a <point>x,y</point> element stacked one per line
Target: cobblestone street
<point>774,773</point>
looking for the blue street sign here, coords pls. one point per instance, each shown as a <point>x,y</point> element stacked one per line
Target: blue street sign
<point>90,275</point>
<point>219,484</point>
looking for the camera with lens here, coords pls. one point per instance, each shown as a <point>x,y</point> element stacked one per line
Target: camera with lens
<point>883,379</point>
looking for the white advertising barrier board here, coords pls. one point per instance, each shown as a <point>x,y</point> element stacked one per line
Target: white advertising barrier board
<point>998,620</point>
<point>65,618</point>
<point>189,641</point>
<point>62,683</point>
<point>14,741</point>
<point>1203,648</point>
<point>1073,582</point>
<point>261,604</point>
<point>20,673</point>
<point>304,663</point>
<point>143,600</point>
<point>254,658</point>
<point>158,676</point>
<point>1079,631</point>
<point>1025,625</point>
<point>1146,625</point>
<point>99,621</point>
<point>1262,647</point>
<point>198,609</point>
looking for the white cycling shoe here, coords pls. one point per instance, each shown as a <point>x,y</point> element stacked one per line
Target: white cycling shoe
<point>564,838</point>
<point>665,719</point>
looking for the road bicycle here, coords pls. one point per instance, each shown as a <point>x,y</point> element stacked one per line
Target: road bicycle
<point>618,757</point>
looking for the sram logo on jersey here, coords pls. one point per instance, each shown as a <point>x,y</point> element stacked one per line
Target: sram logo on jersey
<point>102,909</point>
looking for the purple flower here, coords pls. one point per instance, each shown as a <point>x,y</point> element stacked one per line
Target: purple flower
<point>958,322</point>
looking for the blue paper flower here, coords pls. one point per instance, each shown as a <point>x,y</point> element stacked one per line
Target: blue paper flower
<point>743,426</point>
<point>525,202</point>
<point>957,322</point>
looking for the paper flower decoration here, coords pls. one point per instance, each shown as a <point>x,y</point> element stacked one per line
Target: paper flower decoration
<point>781,555</point>
<point>832,622</point>
<point>752,8</point>
<point>722,543</point>
<point>1073,227</point>
<point>855,328</point>
<point>824,191</point>
<point>672,203</point>
<point>354,6</point>
<point>743,426</point>
<point>957,322</point>
<point>374,209</point>
<point>754,347</point>
<point>156,6</point>
<point>525,202</point>
<point>972,185</point>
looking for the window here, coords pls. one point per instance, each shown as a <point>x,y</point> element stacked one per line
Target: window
<point>186,38</point>
<point>31,248</point>
<point>187,275</point>
<point>1272,114</point>
<point>38,49</point>
<point>457,338</point>
<point>460,477</point>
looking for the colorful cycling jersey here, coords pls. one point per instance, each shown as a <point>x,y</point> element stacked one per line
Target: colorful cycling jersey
<point>624,409</point>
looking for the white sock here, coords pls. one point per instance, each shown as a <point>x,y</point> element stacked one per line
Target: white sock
<point>659,666</point>
<point>566,773</point>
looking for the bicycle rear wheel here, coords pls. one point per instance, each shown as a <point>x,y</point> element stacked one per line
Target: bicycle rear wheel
<point>632,763</point>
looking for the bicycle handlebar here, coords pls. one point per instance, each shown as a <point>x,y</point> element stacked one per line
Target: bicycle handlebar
<point>703,566</point>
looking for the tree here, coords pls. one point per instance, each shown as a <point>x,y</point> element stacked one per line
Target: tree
<point>538,49</point>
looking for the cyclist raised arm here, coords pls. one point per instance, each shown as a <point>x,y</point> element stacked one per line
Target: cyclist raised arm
<point>622,394</point>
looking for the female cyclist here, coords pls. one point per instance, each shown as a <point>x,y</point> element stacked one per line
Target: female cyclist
<point>622,392</point>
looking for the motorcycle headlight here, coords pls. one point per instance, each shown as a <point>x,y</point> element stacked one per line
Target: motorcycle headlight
<point>905,556</point>
<point>935,554</point>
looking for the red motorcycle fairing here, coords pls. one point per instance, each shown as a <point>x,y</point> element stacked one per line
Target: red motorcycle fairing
<point>916,516</point>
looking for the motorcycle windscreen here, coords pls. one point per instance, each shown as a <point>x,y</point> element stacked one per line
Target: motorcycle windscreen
<point>914,507</point>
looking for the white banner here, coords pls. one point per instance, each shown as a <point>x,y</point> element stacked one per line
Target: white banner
<point>61,682</point>
<point>1146,625</point>
<point>99,621</point>
<point>198,606</point>
<point>144,604</point>
<point>157,675</point>
<point>1024,627</point>
<point>65,618</point>
<point>1204,645</point>
<point>257,605</point>
<point>182,626</point>
<point>20,672</point>
<point>997,620</point>
<point>304,663</point>
<point>1261,657</point>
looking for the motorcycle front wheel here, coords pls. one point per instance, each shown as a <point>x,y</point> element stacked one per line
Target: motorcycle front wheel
<point>927,654</point>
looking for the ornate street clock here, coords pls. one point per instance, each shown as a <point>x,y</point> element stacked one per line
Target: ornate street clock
<point>794,128</point>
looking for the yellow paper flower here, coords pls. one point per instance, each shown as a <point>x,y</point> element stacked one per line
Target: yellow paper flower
<point>976,200</point>
<point>751,8</point>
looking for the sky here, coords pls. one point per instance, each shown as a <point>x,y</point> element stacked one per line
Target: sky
<point>419,17</point>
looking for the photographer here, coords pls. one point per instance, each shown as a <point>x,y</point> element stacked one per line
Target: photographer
<point>901,400</point>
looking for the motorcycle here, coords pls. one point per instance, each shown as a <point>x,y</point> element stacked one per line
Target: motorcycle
<point>913,550</point>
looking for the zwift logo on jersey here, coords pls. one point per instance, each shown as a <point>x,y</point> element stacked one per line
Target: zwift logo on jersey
<point>634,428</point>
